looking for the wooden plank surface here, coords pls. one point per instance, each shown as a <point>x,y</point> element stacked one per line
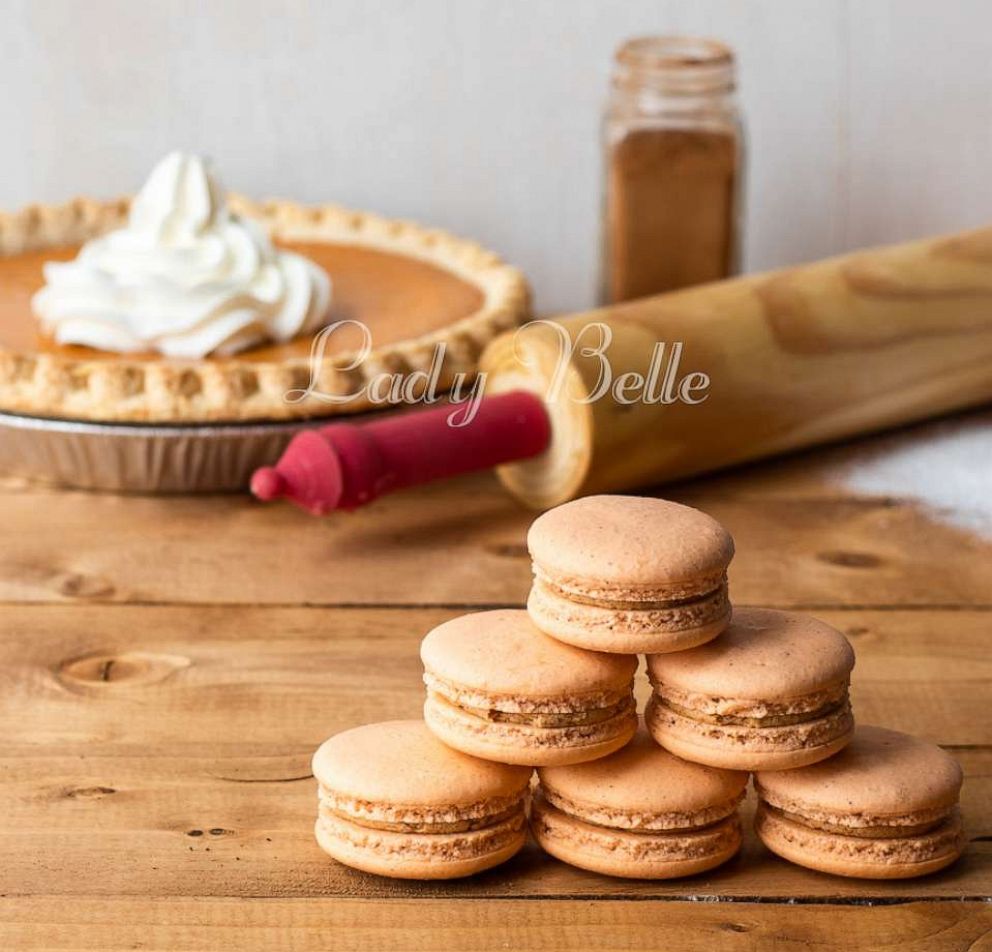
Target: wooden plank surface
<point>169,665</point>
<point>357,925</point>
<point>461,547</point>
<point>169,746</point>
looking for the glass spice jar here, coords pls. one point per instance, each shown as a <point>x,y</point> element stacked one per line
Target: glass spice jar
<point>674,157</point>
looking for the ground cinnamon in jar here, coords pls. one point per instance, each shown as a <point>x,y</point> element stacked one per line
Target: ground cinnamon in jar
<point>673,168</point>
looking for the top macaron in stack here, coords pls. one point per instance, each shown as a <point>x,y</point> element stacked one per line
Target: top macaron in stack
<point>628,574</point>
<point>552,688</point>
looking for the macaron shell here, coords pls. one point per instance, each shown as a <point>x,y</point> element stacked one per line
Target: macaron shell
<point>763,654</point>
<point>633,855</point>
<point>523,745</point>
<point>858,857</point>
<point>402,762</point>
<point>400,862</point>
<point>881,773</point>
<point>628,631</point>
<point>688,739</point>
<point>503,654</point>
<point>644,780</point>
<point>628,540</point>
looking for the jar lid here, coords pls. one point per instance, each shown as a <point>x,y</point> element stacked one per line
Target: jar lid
<point>675,65</point>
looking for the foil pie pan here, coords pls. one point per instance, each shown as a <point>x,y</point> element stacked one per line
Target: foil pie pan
<point>125,457</point>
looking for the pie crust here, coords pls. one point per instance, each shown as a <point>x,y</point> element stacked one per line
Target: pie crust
<point>120,388</point>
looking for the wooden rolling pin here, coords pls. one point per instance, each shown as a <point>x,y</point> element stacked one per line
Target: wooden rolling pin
<point>793,358</point>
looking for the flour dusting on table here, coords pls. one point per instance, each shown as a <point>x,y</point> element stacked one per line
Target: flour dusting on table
<point>946,465</point>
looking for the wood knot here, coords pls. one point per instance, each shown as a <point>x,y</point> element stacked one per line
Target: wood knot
<point>77,585</point>
<point>89,793</point>
<point>129,668</point>
<point>850,560</point>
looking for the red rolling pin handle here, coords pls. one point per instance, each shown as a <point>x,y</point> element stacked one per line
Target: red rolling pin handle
<point>346,465</point>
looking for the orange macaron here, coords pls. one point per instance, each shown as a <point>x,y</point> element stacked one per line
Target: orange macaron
<point>629,574</point>
<point>886,807</point>
<point>641,812</point>
<point>499,688</point>
<point>394,800</point>
<point>771,693</point>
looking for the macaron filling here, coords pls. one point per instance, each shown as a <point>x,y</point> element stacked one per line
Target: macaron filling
<point>565,728</point>
<point>861,825</point>
<point>855,822</point>
<point>634,820</point>
<point>552,825</point>
<point>815,716</point>
<point>597,715</point>
<point>431,846</point>
<point>562,612</point>
<point>755,734</point>
<point>458,818</point>
<point>526,703</point>
<point>606,595</point>
<point>720,709</point>
<point>767,720</point>
<point>538,712</point>
<point>803,842</point>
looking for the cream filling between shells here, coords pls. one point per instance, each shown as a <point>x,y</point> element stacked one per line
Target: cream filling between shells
<point>855,823</point>
<point>633,820</point>
<point>416,818</point>
<point>462,719</point>
<point>563,609</point>
<point>945,837</point>
<point>667,595</point>
<point>809,732</point>
<point>729,710</point>
<point>434,846</point>
<point>572,704</point>
<point>645,845</point>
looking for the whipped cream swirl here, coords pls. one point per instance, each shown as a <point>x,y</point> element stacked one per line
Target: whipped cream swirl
<point>185,277</point>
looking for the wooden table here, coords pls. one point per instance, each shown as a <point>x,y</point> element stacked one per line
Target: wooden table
<point>169,666</point>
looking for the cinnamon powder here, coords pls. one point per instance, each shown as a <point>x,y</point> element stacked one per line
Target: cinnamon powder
<point>671,209</point>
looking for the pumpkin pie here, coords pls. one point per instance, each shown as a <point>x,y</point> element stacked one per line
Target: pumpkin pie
<point>413,288</point>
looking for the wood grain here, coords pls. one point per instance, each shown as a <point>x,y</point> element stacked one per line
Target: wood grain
<point>463,545</point>
<point>168,747</point>
<point>169,665</point>
<point>99,675</point>
<point>356,925</point>
<point>782,360</point>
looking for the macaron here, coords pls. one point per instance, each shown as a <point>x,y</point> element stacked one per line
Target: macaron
<point>500,689</point>
<point>886,807</point>
<point>394,800</point>
<point>629,574</point>
<point>770,693</point>
<point>640,812</point>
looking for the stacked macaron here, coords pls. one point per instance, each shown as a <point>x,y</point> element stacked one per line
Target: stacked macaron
<point>770,693</point>
<point>641,812</point>
<point>394,800</point>
<point>886,807</point>
<point>499,688</point>
<point>552,688</point>
<point>627,574</point>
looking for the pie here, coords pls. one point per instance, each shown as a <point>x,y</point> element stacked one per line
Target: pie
<point>414,288</point>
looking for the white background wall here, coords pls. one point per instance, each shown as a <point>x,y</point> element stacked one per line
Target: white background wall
<point>868,121</point>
